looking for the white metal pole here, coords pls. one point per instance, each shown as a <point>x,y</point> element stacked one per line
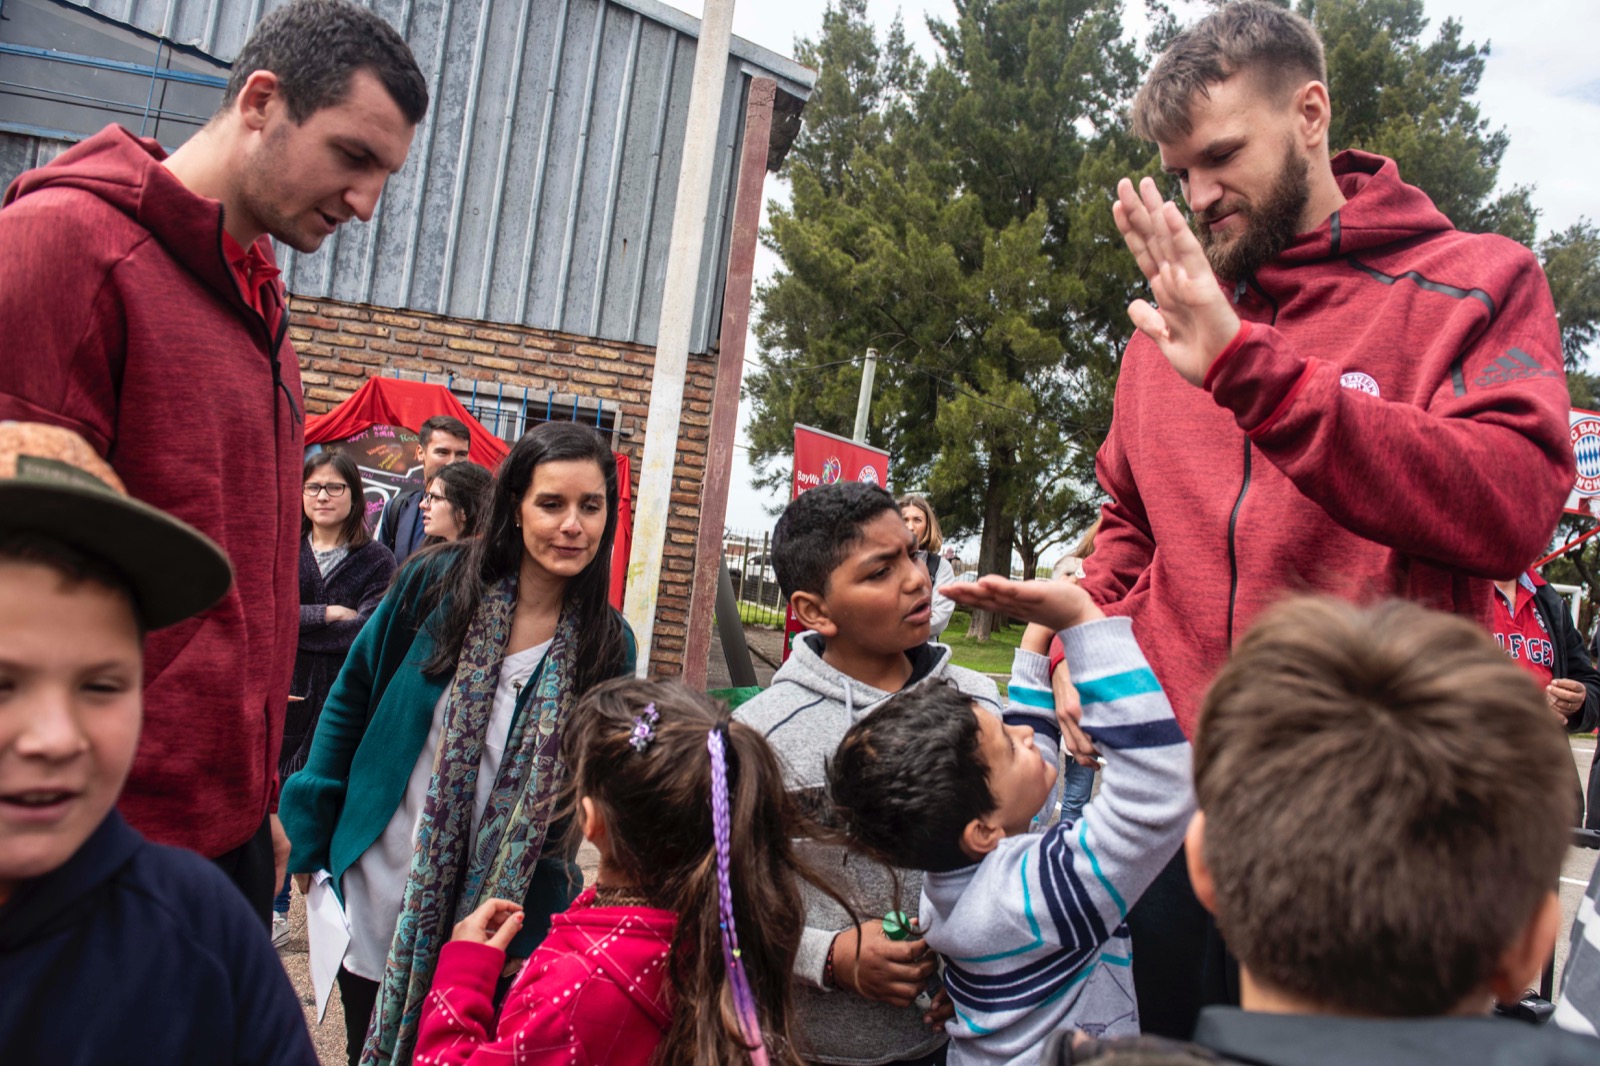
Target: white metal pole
<point>677,317</point>
<point>864,399</point>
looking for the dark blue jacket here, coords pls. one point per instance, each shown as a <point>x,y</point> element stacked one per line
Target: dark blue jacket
<point>1229,1036</point>
<point>1572,661</point>
<point>133,952</point>
<point>400,525</point>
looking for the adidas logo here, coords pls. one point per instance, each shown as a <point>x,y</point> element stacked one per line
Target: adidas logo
<point>1515,365</point>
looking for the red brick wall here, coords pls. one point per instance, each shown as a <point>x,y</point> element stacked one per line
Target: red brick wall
<point>342,345</point>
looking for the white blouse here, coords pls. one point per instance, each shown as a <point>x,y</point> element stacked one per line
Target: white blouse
<point>375,885</point>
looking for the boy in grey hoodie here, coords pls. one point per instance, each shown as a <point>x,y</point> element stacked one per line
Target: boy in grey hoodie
<point>1031,926</point>
<point>844,558</point>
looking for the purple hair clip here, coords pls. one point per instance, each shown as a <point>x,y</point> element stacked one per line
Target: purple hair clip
<point>644,728</point>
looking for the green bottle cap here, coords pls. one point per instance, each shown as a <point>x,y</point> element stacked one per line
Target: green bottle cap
<point>896,926</point>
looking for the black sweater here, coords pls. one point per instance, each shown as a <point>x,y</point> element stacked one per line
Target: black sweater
<point>1571,660</point>
<point>358,582</point>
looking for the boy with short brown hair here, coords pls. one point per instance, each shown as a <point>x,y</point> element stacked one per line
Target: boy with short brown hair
<point>112,949</point>
<point>844,559</point>
<point>1384,802</point>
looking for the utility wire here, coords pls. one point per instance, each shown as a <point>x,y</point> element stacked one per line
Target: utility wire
<point>793,369</point>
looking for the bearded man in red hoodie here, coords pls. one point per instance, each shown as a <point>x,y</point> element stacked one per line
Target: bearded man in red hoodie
<point>141,308</point>
<point>1334,390</point>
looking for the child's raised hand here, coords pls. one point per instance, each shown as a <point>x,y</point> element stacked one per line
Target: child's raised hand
<point>1069,716</point>
<point>495,923</point>
<point>1056,604</point>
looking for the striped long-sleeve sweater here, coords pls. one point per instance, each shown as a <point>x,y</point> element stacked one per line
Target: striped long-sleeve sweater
<point>1034,936</point>
<point>1579,1009</point>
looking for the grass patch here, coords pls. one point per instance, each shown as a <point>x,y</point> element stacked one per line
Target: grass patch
<point>755,614</point>
<point>989,657</point>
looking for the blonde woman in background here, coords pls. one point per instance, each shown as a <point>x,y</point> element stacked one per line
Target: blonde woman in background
<point>924,525</point>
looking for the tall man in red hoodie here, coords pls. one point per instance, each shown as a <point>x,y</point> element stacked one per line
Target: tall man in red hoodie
<point>140,307</point>
<point>1334,390</point>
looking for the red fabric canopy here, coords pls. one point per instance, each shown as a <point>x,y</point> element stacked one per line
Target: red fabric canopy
<point>407,404</point>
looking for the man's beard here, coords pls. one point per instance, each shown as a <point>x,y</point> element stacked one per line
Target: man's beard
<point>267,182</point>
<point>1268,228</point>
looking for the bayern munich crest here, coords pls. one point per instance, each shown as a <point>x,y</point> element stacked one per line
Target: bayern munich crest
<point>1355,379</point>
<point>1586,448</point>
<point>868,475</point>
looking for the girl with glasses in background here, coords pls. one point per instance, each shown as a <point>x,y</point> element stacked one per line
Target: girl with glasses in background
<point>453,504</point>
<point>343,575</point>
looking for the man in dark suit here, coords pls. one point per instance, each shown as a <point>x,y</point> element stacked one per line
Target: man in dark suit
<point>442,440</point>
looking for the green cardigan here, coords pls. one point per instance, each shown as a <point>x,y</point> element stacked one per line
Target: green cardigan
<point>372,729</point>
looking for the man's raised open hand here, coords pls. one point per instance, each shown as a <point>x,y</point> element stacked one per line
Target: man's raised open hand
<point>1194,322</point>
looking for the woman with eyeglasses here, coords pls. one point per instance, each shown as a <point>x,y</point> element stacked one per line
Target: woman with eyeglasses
<point>343,575</point>
<point>454,502</point>
<point>433,780</point>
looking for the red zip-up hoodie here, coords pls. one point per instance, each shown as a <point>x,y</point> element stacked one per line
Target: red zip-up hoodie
<point>123,321</point>
<point>1391,421</point>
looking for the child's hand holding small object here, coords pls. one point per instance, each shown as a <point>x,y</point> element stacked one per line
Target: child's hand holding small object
<point>496,923</point>
<point>896,926</point>
<point>940,1011</point>
<point>874,966</point>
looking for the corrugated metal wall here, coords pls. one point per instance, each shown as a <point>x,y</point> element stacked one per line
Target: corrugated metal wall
<point>65,72</point>
<point>19,152</point>
<point>540,188</point>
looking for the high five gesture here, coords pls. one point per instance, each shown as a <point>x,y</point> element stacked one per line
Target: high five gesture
<point>1191,321</point>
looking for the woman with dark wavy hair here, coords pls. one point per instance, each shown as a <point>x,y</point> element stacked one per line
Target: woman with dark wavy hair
<point>433,777</point>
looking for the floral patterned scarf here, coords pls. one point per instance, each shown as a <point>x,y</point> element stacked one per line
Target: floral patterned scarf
<point>446,883</point>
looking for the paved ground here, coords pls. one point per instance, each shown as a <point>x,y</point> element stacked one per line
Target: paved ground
<point>766,650</point>
<point>329,1036</point>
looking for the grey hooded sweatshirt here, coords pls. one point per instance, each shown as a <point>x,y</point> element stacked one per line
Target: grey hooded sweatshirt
<point>804,716</point>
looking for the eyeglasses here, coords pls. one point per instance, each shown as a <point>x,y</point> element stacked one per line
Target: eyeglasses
<point>334,489</point>
<point>431,498</point>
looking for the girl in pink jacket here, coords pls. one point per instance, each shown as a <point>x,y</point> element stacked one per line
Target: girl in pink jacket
<point>680,952</point>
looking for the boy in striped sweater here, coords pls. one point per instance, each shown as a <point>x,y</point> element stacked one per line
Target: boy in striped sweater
<point>1030,925</point>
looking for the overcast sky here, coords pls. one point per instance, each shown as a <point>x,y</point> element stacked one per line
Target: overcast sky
<point>1540,83</point>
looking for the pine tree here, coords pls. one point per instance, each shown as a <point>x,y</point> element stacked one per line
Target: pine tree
<point>974,248</point>
<point>957,218</point>
<point>1397,94</point>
